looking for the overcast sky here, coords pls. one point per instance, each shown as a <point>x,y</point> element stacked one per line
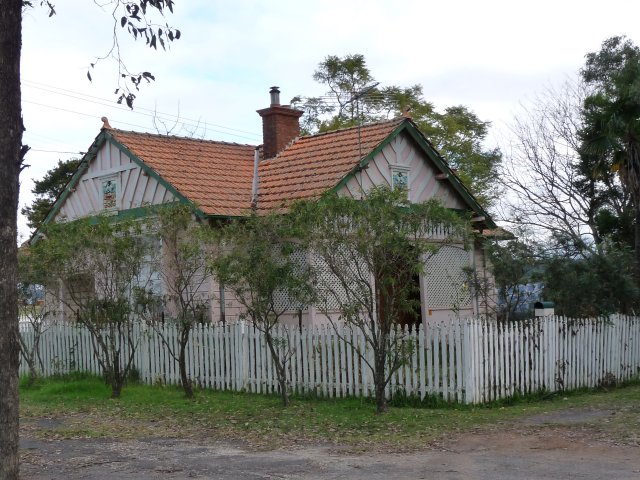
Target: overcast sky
<point>489,55</point>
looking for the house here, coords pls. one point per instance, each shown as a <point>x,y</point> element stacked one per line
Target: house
<point>125,172</point>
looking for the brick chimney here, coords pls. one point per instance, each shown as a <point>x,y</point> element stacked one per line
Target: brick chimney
<point>279,125</point>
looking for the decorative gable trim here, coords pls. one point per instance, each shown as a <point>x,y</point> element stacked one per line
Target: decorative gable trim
<point>153,174</point>
<point>412,130</point>
<point>103,138</point>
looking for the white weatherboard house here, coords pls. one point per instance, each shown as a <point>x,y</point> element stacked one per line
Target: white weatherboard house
<point>125,172</point>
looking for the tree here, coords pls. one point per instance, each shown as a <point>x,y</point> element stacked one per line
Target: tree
<point>257,262</point>
<point>354,98</point>
<point>35,307</point>
<point>12,153</point>
<point>367,255</point>
<point>99,270</point>
<point>601,283</point>
<point>183,267</point>
<point>47,190</point>
<point>554,189</point>
<point>514,264</point>
<point>611,131</point>
<point>132,15</point>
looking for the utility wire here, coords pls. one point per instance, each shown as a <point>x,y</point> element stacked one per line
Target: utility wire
<point>146,128</point>
<point>139,110</point>
<point>54,151</point>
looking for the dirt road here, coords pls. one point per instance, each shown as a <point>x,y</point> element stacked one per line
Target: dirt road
<point>561,445</point>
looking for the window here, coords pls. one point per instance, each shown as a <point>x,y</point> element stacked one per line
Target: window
<point>400,178</point>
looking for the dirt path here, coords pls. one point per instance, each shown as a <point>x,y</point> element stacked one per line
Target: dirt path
<point>554,446</point>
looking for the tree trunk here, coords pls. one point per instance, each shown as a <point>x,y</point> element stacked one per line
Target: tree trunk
<point>637,240</point>
<point>182,363</point>
<point>280,372</point>
<point>10,163</point>
<point>380,383</point>
<point>632,179</point>
<point>116,389</point>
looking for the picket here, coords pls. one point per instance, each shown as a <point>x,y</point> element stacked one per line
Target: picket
<point>470,361</point>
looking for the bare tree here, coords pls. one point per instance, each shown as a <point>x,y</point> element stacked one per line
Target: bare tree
<point>547,190</point>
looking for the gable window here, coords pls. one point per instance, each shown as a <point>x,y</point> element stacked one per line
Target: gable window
<point>110,194</point>
<point>400,178</point>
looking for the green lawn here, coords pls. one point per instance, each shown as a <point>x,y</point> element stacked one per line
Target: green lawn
<point>81,407</point>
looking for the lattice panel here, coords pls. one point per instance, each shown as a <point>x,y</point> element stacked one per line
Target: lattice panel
<point>282,300</point>
<point>331,291</point>
<point>327,283</point>
<point>446,282</point>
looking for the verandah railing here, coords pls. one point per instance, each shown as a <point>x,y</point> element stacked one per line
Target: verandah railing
<point>468,361</point>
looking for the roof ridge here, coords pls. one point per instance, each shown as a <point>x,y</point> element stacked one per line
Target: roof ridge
<point>178,137</point>
<point>397,120</point>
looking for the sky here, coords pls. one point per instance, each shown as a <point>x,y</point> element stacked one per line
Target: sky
<point>492,56</point>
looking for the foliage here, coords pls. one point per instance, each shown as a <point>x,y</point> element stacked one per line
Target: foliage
<point>12,155</point>
<point>181,263</point>
<point>257,263</point>
<point>599,284</point>
<point>354,97</point>
<point>367,254</point>
<point>136,17</point>
<point>514,263</point>
<point>35,308</point>
<point>47,190</point>
<point>611,132</point>
<point>97,268</point>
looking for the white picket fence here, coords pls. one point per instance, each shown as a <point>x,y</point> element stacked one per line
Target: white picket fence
<point>469,361</point>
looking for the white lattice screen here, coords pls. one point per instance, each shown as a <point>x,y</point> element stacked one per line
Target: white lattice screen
<point>331,291</point>
<point>446,282</point>
<point>282,300</point>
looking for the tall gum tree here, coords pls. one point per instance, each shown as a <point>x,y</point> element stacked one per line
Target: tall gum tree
<point>11,154</point>
<point>134,17</point>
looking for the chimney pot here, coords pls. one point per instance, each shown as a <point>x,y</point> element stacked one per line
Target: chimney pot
<point>275,96</point>
<point>279,125</point>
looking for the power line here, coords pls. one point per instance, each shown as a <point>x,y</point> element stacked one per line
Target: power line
<point>119,122</point>
<point>54,151</point>
<point>139,110</point>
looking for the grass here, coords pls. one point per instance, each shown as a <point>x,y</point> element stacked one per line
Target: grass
<point>80,407</point>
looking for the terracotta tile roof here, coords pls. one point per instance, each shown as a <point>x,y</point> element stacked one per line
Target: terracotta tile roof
<point>313,164</point>
<point>217,176</point>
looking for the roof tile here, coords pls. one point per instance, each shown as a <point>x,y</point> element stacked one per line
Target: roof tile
<point>218,176</point>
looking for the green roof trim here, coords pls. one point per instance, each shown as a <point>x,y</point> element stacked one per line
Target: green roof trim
<point>155,175</point>
<point>82,168</point>
<point>103,137</point>
<point>414,132</point>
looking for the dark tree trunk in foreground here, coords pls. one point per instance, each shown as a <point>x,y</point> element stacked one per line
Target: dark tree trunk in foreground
<point>280,371</point>
<point>182,362</point>
<point>10,160</point>
<point>379,376</point>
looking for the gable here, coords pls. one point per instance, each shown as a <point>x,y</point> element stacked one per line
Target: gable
<point>111,182</point>
<point>402,154</point>
<point>314,164</point>
<point>125,171</point>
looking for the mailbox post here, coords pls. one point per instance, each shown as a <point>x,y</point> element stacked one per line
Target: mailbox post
<point>543,309</point>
